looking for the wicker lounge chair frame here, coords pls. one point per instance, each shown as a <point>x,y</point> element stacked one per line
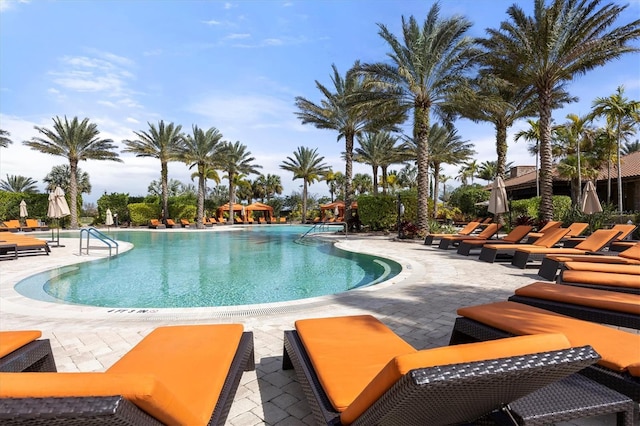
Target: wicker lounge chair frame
<point>450,392</point>
<point>522,258</point>
<point>587,313</point>
<point>493,254</point>
<point>34,356</point>
<point>116,409</point>
<point>466,330</point>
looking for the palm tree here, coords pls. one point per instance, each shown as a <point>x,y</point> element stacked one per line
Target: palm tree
<point>617,110</point>
<point>330,178</point>
<point>488,170</point>
<point>532,135</point>
<point>61,176</point>
<point>76,141</point>
<point>19,184</point>
<point>552,47</point>
<point>362,183</point>
<point>376,150</point>
<point>236,161</point>
<point>346,112</point>
<point>630,147</point>
<point>201,150</point>
<point>468,171</point>
<point>575,132</point>
<point>164,143</point>
<point>273,186</point>
<point>4,138</point>
<point>307,165</point>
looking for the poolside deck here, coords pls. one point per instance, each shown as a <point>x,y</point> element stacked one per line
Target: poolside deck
<point>419,304</point>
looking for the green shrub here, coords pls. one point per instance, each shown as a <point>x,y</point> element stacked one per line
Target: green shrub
<point>465,198</point>
<point>37,205</point>
<point>141,213</point>
<point>378,213</point>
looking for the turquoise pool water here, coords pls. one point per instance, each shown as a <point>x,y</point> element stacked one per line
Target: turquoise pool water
<point>204,269</point>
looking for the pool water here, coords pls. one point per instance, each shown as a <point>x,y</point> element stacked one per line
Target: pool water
<point>203,269</point>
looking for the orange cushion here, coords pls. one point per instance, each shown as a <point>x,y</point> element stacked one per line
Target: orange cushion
<point>32,223</point>
<point>592,259</point>
<point>146,392</point>
<point>603,267</point>
<point>601,278</point>
<point>632,252</point>
<point>12,340</point>
<point>348,352</point>
<point>448,355</point>
<point>192,361</point>
<point>602,299</point>
<point>618,349</point>
<point>550,250</point>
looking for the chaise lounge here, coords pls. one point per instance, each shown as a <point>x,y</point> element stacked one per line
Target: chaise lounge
<point>492,252</point>
<point>155,224</point>
<point>549,226</point>
<point>595,242</point>
<point>176,375</point>
<point>516,236</point>
<point>355,370</point>
<point>467,230</point>
<point>623,282</point>
<point>618,369</point>
<point>23,350</point>
<point>624,230</point>
<point>454,240</point>
<point>600,306</point>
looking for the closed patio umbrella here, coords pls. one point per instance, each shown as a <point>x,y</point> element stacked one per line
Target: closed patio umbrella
<point>57,209</point>
<point>590,202</point>
<point>498,202</point>
<point>23,209</point>
<point>108,220</point>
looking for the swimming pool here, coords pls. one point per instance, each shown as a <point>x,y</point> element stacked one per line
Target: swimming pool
<point>206,269</point>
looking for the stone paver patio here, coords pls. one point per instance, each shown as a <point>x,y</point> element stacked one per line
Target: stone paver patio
<point>419,304</point>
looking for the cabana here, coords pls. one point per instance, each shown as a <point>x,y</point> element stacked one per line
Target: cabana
<point>260,207</point>
<point>333,206</point>
<point>225,208</point>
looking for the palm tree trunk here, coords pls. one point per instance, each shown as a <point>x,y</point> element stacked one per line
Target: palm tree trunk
<point>375,180</point>
<point>202,186</point>
<point>421,136</point>
<point>232,196</point>
<point>546,165</point>
<point>385,183</point>
<point>501,149</point>
<point>304,201</point>
<point>436,181</point>
<point>619,171</point>
<point>165,190</point>
<point>348,175</point>
<point>73,193</point>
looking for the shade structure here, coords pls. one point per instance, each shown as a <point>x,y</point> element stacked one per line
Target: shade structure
<point>58,207</point>
<point>23,209</point>
<point>108,220</point>
<point>590,202</point>
<point>339,205</point>
<point>257,206</point>
<point>498,202</point>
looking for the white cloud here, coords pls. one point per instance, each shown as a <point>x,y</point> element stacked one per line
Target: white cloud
<point>211,22</point>
<point>237,36</point>
<point>10,4</point>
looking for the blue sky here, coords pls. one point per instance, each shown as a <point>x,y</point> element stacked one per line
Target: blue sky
<point>236,66</point>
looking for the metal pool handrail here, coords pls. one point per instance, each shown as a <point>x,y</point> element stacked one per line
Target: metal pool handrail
<point>108,241</point>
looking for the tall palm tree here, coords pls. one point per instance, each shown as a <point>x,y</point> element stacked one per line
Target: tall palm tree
<point>4,138</point>
<point>19,184</point>
<point>617,110</point>
<point>376,149</point>
<point>273,186</point>
<point>426,66</point>
<point>532,135</point>
<point>553,46</point>
<point>61,176</point>
<point>330,178</point>
<point>76,141</point>
<point>236,161</point>
<point>343,109</point>
<point>201,150</point>
<point>575,132</point>
<point>162,142</point>
<point>307,165</point>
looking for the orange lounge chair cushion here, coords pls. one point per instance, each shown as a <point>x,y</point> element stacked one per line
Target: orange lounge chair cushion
<point>615,268</point>
<point>486,233</point>
<point>12,224</point>
<point>448,355</point>
<point>468,229</point>
<point>619,349</point>
<point>601,278</point>
<point>602,299</point>
<point>192,361</point>
<point>144,390</point>
<point>348,352</point>
<point>590,258</point>
<point>12,340</point>
<point>32,223</point>
<point>632,252</point>
<point>549,239</point>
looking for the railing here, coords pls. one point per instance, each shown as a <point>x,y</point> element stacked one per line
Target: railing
<point>93,232</point>
<point>321,227</point>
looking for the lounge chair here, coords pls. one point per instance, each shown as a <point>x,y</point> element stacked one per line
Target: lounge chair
<point>624,230</point>
<point>23,245</point>
<point>185,223</point>
<point>552,224</point>
<point>155,224</point>
<point>619,246</point>
<point>551,263</point>
<point>600,306</point>
<point>467,230</point>
<point>516,236</point>
<point>169,223</point>
<point>176,375</point>
<point>454,240</point>
<point>492,252</point>
<point>283,219</point>
<point>355,370</point>
<point>33,223</point>
<point>24,351</point>
<point>622,282</point>
<point>619,367</point>
<point>12,225</point>
<point>593,243</point>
